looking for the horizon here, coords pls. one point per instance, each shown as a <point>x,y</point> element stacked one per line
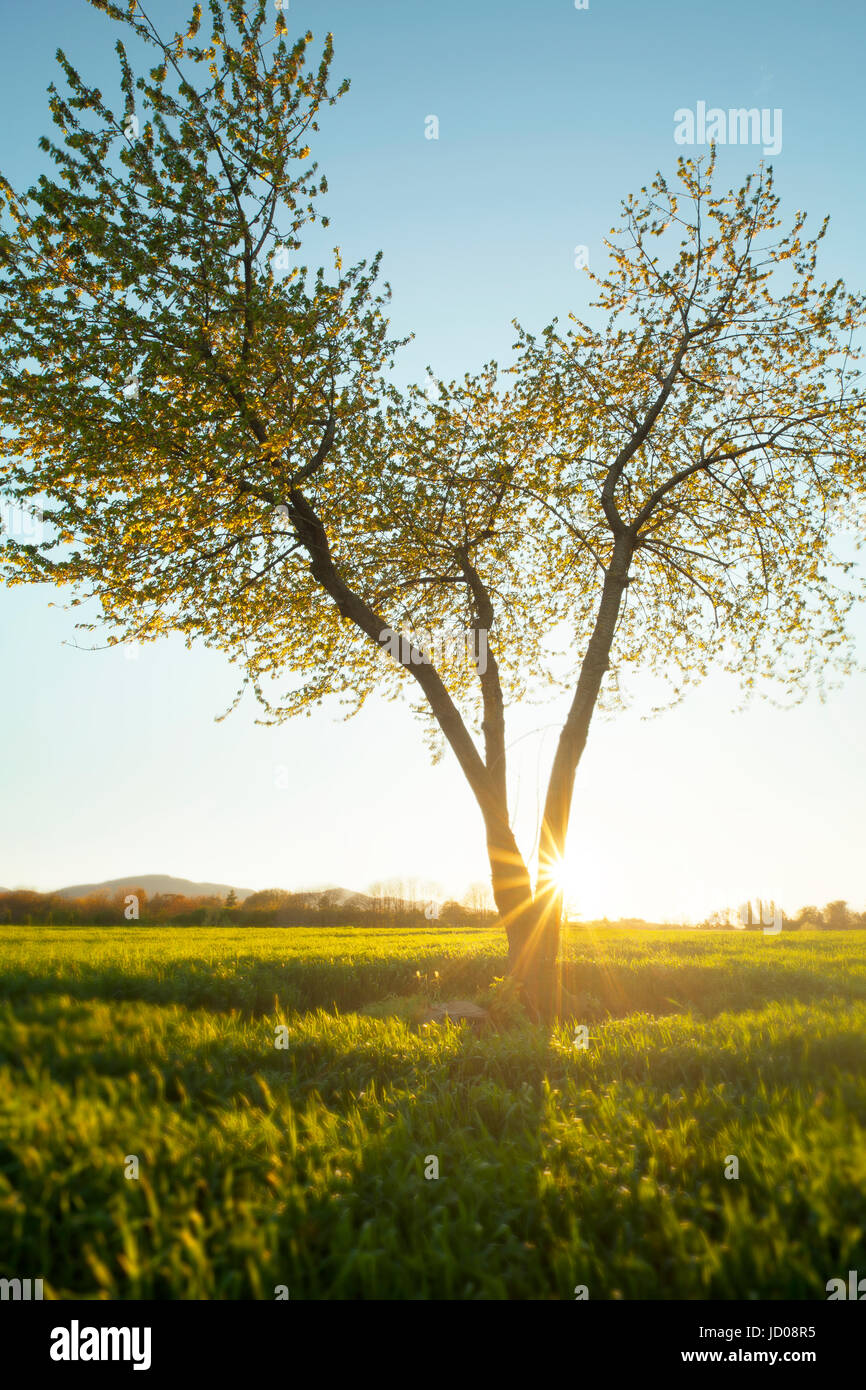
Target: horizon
<point>418,895</point>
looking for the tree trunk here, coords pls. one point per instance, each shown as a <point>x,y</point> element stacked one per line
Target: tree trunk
<point>533,935</point>
<point>534,930</point>
<point>533,955</point>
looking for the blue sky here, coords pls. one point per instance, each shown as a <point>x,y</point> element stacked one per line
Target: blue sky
<point>548,116</point>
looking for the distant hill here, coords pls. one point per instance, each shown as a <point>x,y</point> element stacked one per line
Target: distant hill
<point>153,884</point>
<point>164,883</point>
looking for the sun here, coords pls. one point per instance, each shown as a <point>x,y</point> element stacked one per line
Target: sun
<point>562,874</point>
<point>558,873</point>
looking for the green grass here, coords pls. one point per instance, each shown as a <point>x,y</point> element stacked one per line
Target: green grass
<point>305,1166</point>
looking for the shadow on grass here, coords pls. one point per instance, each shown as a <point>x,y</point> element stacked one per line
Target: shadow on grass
<point>321,1152</point>
<point>254,987</point>
<point>194,1057</point>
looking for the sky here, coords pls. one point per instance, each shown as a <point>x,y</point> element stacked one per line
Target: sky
<point>548,116</point>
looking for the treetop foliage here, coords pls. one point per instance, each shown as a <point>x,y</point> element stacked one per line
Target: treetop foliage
<point>219,449</point>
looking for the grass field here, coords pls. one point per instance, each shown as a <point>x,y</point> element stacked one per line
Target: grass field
<point>304,1166</point>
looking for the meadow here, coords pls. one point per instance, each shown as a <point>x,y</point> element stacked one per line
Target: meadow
<point>304,1166</point>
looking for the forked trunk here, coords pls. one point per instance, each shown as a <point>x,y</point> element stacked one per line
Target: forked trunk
<point>533,921</point>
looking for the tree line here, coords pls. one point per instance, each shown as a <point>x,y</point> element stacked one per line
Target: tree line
<point>834,916</point>
<point>386,906</point>
<point>273,907</point>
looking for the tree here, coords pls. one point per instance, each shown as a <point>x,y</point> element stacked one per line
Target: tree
<point>837,915</point>
<point>268,900</point>
<point>664,491</point>
<point>478,899</point>
<point>810,917</point>
<point>452,914</point>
